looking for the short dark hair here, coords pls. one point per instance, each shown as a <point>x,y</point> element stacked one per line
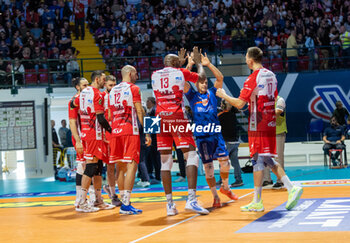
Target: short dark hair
<point>338,103</point>
<point>96,74</point>
<point>152,100</point>
<point>255,53</point>
<point>75,82</point>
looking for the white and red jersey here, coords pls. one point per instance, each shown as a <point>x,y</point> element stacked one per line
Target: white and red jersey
<point>121,103</point>
<point>168,86</point>
<point>260,91</point>
<point>73,113</point>
<point>105,95</point>
<point>90,102</point>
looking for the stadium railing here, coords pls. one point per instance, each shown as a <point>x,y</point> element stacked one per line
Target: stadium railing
<point>47,74</point>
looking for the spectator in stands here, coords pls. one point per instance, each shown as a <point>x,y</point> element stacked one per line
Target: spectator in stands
<point>118,39</point>
<point>4,68</point>
<point>72,68</point>
<point>64,40</point>
<point>159,46</point>
<point>228,122</point>
<point>301,44</point>
<point>323,41</point>
<point>18,68</point>
<point>335,43</point>
<point>16,50</point>
<point>340,113</point>
<point>79,20</point>
<point>130,53</point>
<point>59,69</point>
<point>36,32</point>
<point>39,59</point>
<point>274,50</point>
<point>334,139</point>
<point>292,52</point>
<point>4,50</point>
<point>310,47</point>
<point>238,38</point>
<point>345,39</point>
<point>62,132</point>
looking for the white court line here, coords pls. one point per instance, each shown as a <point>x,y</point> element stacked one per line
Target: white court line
<point>183,221</point>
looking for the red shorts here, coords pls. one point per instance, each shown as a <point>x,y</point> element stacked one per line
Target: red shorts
<point>168,134</point>
<point>263,143</point>
<point>124,148</point>
<point>95,148</point>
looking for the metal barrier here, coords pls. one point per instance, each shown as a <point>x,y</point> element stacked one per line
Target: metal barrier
<point>40,72</point>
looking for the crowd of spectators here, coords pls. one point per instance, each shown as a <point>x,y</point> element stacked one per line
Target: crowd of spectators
<point>37,30</point>
<point>155,27</point>
<point>32,32</point>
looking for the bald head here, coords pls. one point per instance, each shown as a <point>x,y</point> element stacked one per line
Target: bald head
<point>129,74</point>
<point>172,60</point>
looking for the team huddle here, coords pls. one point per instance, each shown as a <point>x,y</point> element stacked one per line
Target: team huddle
<point>106,129</point>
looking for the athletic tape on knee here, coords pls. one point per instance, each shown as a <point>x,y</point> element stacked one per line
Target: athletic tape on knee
<point>209,170</point>
<point>80,168</point>
<point>270,162</point>
<point>99,168</point>
<point>167,162</point>
<point>224,166</point>
<point>90,169</point>
<point>258,165</point>
<point>192,158</point>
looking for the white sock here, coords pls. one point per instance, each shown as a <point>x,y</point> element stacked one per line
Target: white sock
<point>77,195</point>
<point>82,195</point>
<point>126,198</point>
<point>122,193</point>
<point>286,182</point>
<point>169,198</point>
<point>257,194</point>
<point>191,194</point>
<point>214,192</point>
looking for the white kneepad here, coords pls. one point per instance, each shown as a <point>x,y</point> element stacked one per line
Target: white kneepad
<point>167,162</point>
<point>192,158</point>
<point>80,168</point>
<point>258,165</point>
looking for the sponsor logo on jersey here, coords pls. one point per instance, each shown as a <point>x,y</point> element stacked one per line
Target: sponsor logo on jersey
<point>116,131</point>
<point>271,124</point>
<point>165,113</point>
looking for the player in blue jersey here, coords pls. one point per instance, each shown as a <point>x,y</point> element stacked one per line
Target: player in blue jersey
<point>210,143</point>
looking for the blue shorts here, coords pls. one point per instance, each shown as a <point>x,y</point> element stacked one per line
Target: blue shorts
<point>211,147</point>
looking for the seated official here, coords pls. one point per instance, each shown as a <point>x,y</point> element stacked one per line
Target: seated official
<point>334,139</point>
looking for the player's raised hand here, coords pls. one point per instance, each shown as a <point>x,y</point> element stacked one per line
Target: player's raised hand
<point>190,59</point>
<point>205,60</point>
<point>196,55</point>
<point>182,57</point>
<point>220,93</point>
<point>148,140</point>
